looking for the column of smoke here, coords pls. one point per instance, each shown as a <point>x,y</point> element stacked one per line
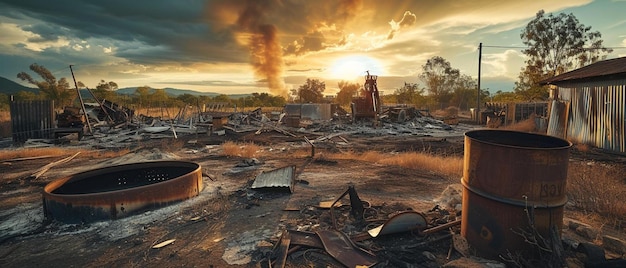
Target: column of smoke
<point>265,49</point>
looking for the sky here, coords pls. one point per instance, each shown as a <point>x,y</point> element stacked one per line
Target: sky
<point>245,46</point>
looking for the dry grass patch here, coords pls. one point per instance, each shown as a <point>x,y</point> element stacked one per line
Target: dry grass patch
<point>451,167</point>
<point>581,147</point>
<point>247,150</point>
<point>57,152</point>
<point>527,125</point>
<point>450,112</point>
<point>600,189</point>
<point>5,124</point>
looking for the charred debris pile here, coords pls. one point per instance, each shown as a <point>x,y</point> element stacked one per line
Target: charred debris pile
<point>117,127</point>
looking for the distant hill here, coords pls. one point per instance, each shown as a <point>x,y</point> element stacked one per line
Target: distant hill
<point>9,87</point>
<point>175,92</point>
<point>169,91</point>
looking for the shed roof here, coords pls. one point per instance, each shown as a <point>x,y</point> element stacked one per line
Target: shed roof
<point>595,70</point>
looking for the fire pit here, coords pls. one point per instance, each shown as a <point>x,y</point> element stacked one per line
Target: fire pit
<point>119,191</point>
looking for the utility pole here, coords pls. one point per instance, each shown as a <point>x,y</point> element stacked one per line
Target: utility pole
<point>82,104</point>
<point>480,56</point>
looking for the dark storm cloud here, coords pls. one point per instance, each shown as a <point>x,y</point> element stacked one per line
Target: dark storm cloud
<point>45,32</point>
<point>177,28</point>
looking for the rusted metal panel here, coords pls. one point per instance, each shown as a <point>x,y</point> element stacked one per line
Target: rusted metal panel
<point>597,114</point>
<point>404,221</point>
<point>557,125</point>
<point>316,111</point>
<point>118,191</point>
<point>363,108</point>
<point>338,245</point>
<point>310,111</point>
<point>277,178</point>
<point>32,120</point>
<point>506,175</point>
<point>612,68</point>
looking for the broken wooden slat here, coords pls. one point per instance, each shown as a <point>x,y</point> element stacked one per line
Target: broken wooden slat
<point>45,168</point>
<point>164,243</point>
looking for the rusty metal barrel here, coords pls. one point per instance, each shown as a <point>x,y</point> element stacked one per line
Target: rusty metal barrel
<point>118,191</point>
<point>511,179</point>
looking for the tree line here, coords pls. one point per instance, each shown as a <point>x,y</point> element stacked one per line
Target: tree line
<point>555,44</point>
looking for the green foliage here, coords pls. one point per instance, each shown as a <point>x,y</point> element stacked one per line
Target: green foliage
<point>501,96</point>
<point>445,84</point>
<point>188,99</point>
<point>465,92</point>
<point>106,91</point>
<point>142,95</point>
<point>556,44</point>
<point>439,78</point>
<point>26,96</point>
<point>347,91</point>
<point>311,91</point>
<point>4,102</point>
<point>410,94</point>
<point>58,91</point>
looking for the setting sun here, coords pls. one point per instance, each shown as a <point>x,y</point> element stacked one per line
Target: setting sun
<point>353,67</point>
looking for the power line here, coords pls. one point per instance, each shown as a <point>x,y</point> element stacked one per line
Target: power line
<point>529,47</point>
<point>503,46</point>
<point>59,70</point>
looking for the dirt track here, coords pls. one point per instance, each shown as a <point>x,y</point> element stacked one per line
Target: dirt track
<point>228,224</point>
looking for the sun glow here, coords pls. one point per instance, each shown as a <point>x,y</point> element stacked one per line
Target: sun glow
<point>353,67</point>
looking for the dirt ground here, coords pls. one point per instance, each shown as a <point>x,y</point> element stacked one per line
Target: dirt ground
<point>230,224</point>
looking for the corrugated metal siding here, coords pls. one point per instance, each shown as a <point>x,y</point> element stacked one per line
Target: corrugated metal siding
<point>597,113</point>
<point>280,177</point>
<point>32,120</point>
<point>311,111</point>
<point>558,119</point>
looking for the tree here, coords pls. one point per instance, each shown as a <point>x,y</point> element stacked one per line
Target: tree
<point>501,96</point>
<point>222,98</point>
<point>159,96</point>
<point>556,44</point>
<point>440,79</point>
<point>58,91</point>
<point>410,94</point>
<point>464,92</point>
<point>311,91</point>
<point>347,91</point>
<point>528,88</point>
<point>27,95</point>
<point>143,95</point>
<point>188,99</point>
<point>106,90</point>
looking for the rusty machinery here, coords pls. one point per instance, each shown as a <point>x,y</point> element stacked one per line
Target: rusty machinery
<point>368,105</point>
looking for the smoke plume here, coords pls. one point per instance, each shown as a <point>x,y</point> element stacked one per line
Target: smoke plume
<point>265,49</point>
<point>259,21</point>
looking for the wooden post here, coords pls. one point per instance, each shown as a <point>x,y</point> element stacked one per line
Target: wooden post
<point>312,146</point>
<point>82,104</point>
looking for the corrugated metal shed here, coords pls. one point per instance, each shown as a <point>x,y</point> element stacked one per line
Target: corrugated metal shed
<point>595,96</point>
<point>602,70</point>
